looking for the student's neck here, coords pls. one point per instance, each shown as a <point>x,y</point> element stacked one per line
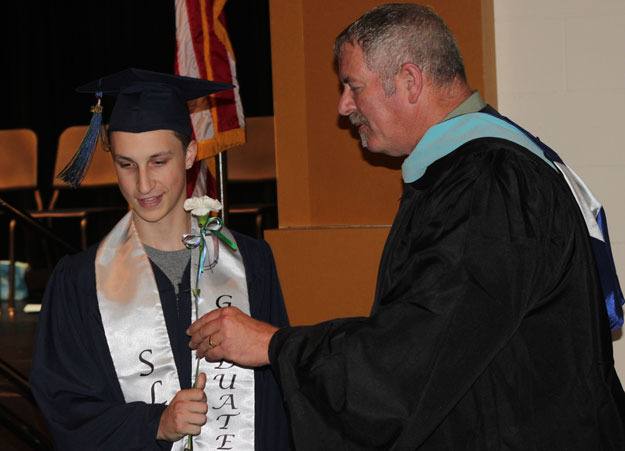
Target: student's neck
<point>165,235</point>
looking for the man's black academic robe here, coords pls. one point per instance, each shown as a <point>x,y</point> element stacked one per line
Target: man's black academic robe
<point>489,330</point>
<point>74,380</point>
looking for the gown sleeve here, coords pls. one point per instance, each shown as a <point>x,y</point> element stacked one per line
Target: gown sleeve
<point>83,407</point>
<point>472,263</point>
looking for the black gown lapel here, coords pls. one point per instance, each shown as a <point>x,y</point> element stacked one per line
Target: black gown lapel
<point>177,312</point>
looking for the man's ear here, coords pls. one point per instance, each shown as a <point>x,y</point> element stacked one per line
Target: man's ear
<point>410,77</point>
<point>190,154</point>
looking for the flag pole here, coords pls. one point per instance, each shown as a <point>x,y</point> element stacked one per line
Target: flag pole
<point>222,171</point>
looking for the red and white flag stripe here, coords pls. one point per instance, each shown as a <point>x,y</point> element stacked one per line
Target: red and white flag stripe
<point>204,51</point>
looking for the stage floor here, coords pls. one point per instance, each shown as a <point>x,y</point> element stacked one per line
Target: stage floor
<point>16,409</point>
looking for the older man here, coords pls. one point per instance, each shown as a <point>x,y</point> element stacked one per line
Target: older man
<point>489,329</point>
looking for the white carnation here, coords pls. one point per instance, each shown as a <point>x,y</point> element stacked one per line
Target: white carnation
<point>201,206</point>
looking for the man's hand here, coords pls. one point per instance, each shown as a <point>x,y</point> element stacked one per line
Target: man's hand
<point>185,414</point>
<point>229,334</point>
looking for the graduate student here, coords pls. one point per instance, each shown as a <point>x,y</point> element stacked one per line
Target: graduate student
<point>496,290</point>
<point>112,368</point>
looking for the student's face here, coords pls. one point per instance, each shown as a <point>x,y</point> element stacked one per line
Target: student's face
<point>151,170</point>
<point>380,119</point>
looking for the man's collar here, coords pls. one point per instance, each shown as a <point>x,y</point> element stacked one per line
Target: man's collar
<point>471,104</point>
<point>420,158</point>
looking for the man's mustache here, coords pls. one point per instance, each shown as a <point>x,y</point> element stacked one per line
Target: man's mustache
<point>358,119</point>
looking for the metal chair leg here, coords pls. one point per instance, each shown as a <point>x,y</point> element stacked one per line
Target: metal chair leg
<point>11,297</point>
<point>259,225</point>
<point>83,233</point>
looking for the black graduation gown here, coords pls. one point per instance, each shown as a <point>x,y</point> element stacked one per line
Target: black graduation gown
<point>73,377</point>
<point>488,332</point>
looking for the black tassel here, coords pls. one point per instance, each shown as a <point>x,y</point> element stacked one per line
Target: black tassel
<point>76,169</point>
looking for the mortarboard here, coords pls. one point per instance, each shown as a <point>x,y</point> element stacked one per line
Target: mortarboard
<point>145,101</point>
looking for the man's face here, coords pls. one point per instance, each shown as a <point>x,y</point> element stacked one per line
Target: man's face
<point>382,120</point>
<point>151,171</point>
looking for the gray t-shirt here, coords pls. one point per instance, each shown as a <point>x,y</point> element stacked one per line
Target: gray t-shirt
<point>172,263</point>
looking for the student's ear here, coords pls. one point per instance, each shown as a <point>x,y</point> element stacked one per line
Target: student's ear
<point>189,156</point>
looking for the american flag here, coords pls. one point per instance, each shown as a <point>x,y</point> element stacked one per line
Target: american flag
<point>203,50</point>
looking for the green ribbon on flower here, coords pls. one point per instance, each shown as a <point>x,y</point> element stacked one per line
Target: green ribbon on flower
<point>214,226</point>
<point>208,225</point>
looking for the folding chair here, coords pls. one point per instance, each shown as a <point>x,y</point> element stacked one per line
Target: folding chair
<point>18,152</point>
<point>101,173</point>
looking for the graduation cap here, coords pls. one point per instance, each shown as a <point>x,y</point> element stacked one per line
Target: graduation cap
<point>146,101</point>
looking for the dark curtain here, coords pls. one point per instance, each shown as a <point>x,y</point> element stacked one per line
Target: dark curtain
<point>51,47</point>
<point>248,27</point>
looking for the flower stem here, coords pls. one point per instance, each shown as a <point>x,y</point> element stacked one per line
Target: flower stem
<point>196,295</point>
<point>202,222</point>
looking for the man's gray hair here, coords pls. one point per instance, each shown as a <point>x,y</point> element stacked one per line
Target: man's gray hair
<point>397,33</point>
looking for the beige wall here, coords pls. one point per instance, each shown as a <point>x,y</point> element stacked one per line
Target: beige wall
<point>561,73</point>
